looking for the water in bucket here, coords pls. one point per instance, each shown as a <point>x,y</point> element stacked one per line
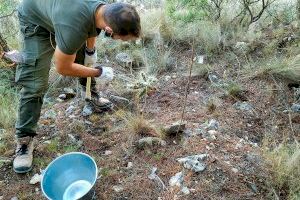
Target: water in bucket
<point>77,190</point>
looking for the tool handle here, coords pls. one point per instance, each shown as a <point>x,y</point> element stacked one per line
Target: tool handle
<point>88,95</point>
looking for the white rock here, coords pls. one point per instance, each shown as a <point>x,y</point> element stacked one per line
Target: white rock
<point>62,96</point>
<point>200,59</point>
<point>107,152</point>
<point>176,180</point>
<point>153,175</point>
<point>118,188</point>
<point>185,190</point>
<point>129,165</point>
<point>195,163</point>
<point>235,170</point>
<point>35,179</point>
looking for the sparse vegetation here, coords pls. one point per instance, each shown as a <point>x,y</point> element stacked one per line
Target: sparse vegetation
<point>250,45</point>
<point>8,98</point>
<point>285,166</point>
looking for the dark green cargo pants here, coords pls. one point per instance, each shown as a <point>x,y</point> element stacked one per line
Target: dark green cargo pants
<point>32,75</point>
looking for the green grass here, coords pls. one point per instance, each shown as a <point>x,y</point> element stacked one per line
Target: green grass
<point>70,148</point>
<point>41,162</point>
<point>53,146</point>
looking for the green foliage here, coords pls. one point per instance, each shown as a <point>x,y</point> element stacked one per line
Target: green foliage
<point>285,166</point>
<point>53,146</point>
<point>8,98</point>
<point>187,10</point>
<point>70,148</point>
<point>7,6</point>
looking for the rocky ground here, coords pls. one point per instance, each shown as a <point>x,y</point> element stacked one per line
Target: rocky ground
<point>145,150</point>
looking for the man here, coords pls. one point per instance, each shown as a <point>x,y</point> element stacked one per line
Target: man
<point>73,26</point>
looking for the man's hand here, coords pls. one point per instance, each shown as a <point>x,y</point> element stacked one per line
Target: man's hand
<point>90,56</point>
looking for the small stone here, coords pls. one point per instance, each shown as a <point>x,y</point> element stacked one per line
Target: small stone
<point>72,138</point>
<point>118,188</point>
<point>253,187</point>
<point>235,170</point>
<point>243,106</point>
<point>200,59</point>
<point>108,152</point>
<point>49,114</point>
<point>153,175</point>
<point>47,142</point>
<point>35,179</point>
<point>211,135</point>
<point>297,95</point>
<point>174,129</point>
<point>87,110</point>
<point>213,79</point>
<point>88,122</point>
<point>150,142</point>
<point>120,102</point>
<point>37,190</point>
<point>295,108</point>
<point>69,92</point>
<point>1,197</point>
<point>185,190</point>
<point>167,78</point>
<point>176,180</point>
<point>124,59</point>
<point>129,165</point>
<point>14,198</point>
<point>238,146</point>
<point>70,109</point>
<point>195,162</point>
<point>62,96</point>
<point>212,125</point>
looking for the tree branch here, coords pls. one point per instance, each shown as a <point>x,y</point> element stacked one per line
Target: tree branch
<point>8,15</point>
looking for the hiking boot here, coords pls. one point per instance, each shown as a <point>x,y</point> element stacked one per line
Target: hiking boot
<point>97,103</point>
<point>23,161</point>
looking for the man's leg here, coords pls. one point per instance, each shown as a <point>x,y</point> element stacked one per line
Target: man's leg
<point>99,104</point>
<point>32,75</point>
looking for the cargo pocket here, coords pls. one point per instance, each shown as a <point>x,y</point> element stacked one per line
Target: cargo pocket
<point>25,70</point>
<point>28,29</point>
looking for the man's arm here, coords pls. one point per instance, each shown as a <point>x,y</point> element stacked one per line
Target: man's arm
<point>90,42</point>
<point>65,65</point>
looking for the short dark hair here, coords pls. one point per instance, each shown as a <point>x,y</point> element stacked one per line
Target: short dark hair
<point>123,19</point>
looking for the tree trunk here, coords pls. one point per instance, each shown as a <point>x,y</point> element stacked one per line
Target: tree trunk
<point>3,44</point>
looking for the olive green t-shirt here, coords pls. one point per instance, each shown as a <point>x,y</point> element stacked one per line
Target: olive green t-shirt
<point>72,21</point>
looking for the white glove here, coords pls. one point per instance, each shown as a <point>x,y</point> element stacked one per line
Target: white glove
<point>107,73</point>
<point>90,59</point>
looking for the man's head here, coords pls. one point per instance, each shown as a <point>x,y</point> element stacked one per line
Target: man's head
<point>122,21</point>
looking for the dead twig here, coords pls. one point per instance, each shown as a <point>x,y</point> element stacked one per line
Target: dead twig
<point>188,83</point>
<point>8,15</point>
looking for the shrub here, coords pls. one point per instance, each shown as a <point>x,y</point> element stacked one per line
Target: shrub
<point>187,10</point>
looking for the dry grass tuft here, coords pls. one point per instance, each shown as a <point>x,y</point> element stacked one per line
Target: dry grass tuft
<point>138,125</point>
<point>285,166</point>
